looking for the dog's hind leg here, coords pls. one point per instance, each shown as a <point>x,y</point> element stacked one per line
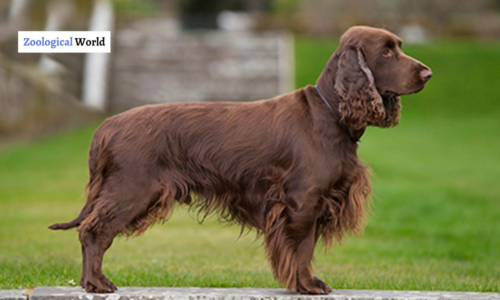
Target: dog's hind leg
<point>117,210</point>
<point>93,248</point>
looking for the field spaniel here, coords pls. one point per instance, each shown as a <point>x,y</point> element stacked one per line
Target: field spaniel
<point>286,167</point>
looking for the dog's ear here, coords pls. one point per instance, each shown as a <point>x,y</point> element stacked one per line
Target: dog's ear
<point>360,103</point>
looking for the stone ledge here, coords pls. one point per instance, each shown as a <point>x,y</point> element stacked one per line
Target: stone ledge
<point>134,293</point>
<point>12,295</point>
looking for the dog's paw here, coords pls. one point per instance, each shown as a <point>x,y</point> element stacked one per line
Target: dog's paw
<point>101,285</point>
<point>313,286</point>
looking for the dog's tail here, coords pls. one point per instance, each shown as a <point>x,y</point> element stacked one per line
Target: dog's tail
<point>99,163</point>
<point>71,224</point>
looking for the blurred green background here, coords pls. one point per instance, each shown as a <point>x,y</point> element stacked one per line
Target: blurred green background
<point>435,222</point>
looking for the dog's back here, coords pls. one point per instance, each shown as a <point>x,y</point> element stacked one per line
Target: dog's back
<point>223,157</point>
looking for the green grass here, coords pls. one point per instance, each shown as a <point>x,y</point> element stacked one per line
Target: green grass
<point>436,217</point>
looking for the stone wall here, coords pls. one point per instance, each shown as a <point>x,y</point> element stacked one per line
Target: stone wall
<point>155,63</point>
<point>40,93</point>
<point>33,102</point>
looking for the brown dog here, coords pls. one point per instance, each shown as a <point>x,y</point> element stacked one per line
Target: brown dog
<point>286,166</point>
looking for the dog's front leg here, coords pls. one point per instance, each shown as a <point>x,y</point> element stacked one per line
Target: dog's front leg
<point>306,282</point>
<point>290,240</point>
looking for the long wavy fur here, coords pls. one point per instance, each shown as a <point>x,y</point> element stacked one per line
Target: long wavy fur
<point>361,104</point>
<point>345,207</point>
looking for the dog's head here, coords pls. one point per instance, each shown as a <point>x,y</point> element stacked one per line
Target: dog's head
<point>370,73</point>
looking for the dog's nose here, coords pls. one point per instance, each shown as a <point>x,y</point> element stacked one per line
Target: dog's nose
<point>426,74</point>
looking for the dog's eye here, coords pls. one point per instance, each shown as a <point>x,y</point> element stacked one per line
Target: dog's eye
<point>387,53</point>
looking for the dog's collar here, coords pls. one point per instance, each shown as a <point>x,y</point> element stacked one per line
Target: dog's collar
<point>335,113</point>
